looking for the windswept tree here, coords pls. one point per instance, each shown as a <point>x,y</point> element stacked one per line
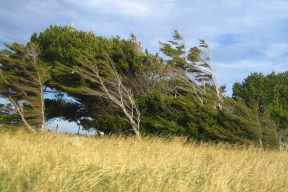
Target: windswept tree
<point>205,74</point>
<point>192,68</point>
<point>177,67</point>
<point>22,79</point>
<point>62,47</point>
<point>176,50</point>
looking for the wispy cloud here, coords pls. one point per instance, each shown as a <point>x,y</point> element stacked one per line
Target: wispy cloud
<point>130,8</point>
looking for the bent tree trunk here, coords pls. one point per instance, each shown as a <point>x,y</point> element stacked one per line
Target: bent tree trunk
<point>20,112</point>
<point>135,125</point>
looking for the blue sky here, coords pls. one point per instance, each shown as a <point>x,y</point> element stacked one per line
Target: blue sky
<point>244,36</point>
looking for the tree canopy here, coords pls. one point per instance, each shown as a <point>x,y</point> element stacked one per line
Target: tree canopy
<point>268,94</point>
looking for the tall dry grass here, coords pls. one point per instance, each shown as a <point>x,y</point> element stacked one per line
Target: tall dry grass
<point>49,162</point>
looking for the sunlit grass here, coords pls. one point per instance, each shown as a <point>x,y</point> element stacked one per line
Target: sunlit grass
<point>50,162</point>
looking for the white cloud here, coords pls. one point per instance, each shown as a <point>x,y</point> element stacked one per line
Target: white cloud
<point>128,8</point>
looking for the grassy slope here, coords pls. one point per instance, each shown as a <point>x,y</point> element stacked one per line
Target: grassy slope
<point>49,162</point>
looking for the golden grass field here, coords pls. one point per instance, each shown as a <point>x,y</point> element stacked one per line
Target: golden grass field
<point>58,162</point>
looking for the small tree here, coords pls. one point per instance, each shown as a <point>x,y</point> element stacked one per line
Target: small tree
<point>205,74</point>
<point>192,67</point>
<point>22,78</point>
<point>176,50</point>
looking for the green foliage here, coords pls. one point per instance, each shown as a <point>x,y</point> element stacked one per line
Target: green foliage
<point>175,49</point>
<point>61,45</point>
<point>269,93</point>
<point>184,116</point>
<point>111,123</point>
<point>10,119</point>
<point>22,79</point>
<point>157,116</point>
<point>195,64</point>
<point>252,89</point>
<point>59,108</point>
